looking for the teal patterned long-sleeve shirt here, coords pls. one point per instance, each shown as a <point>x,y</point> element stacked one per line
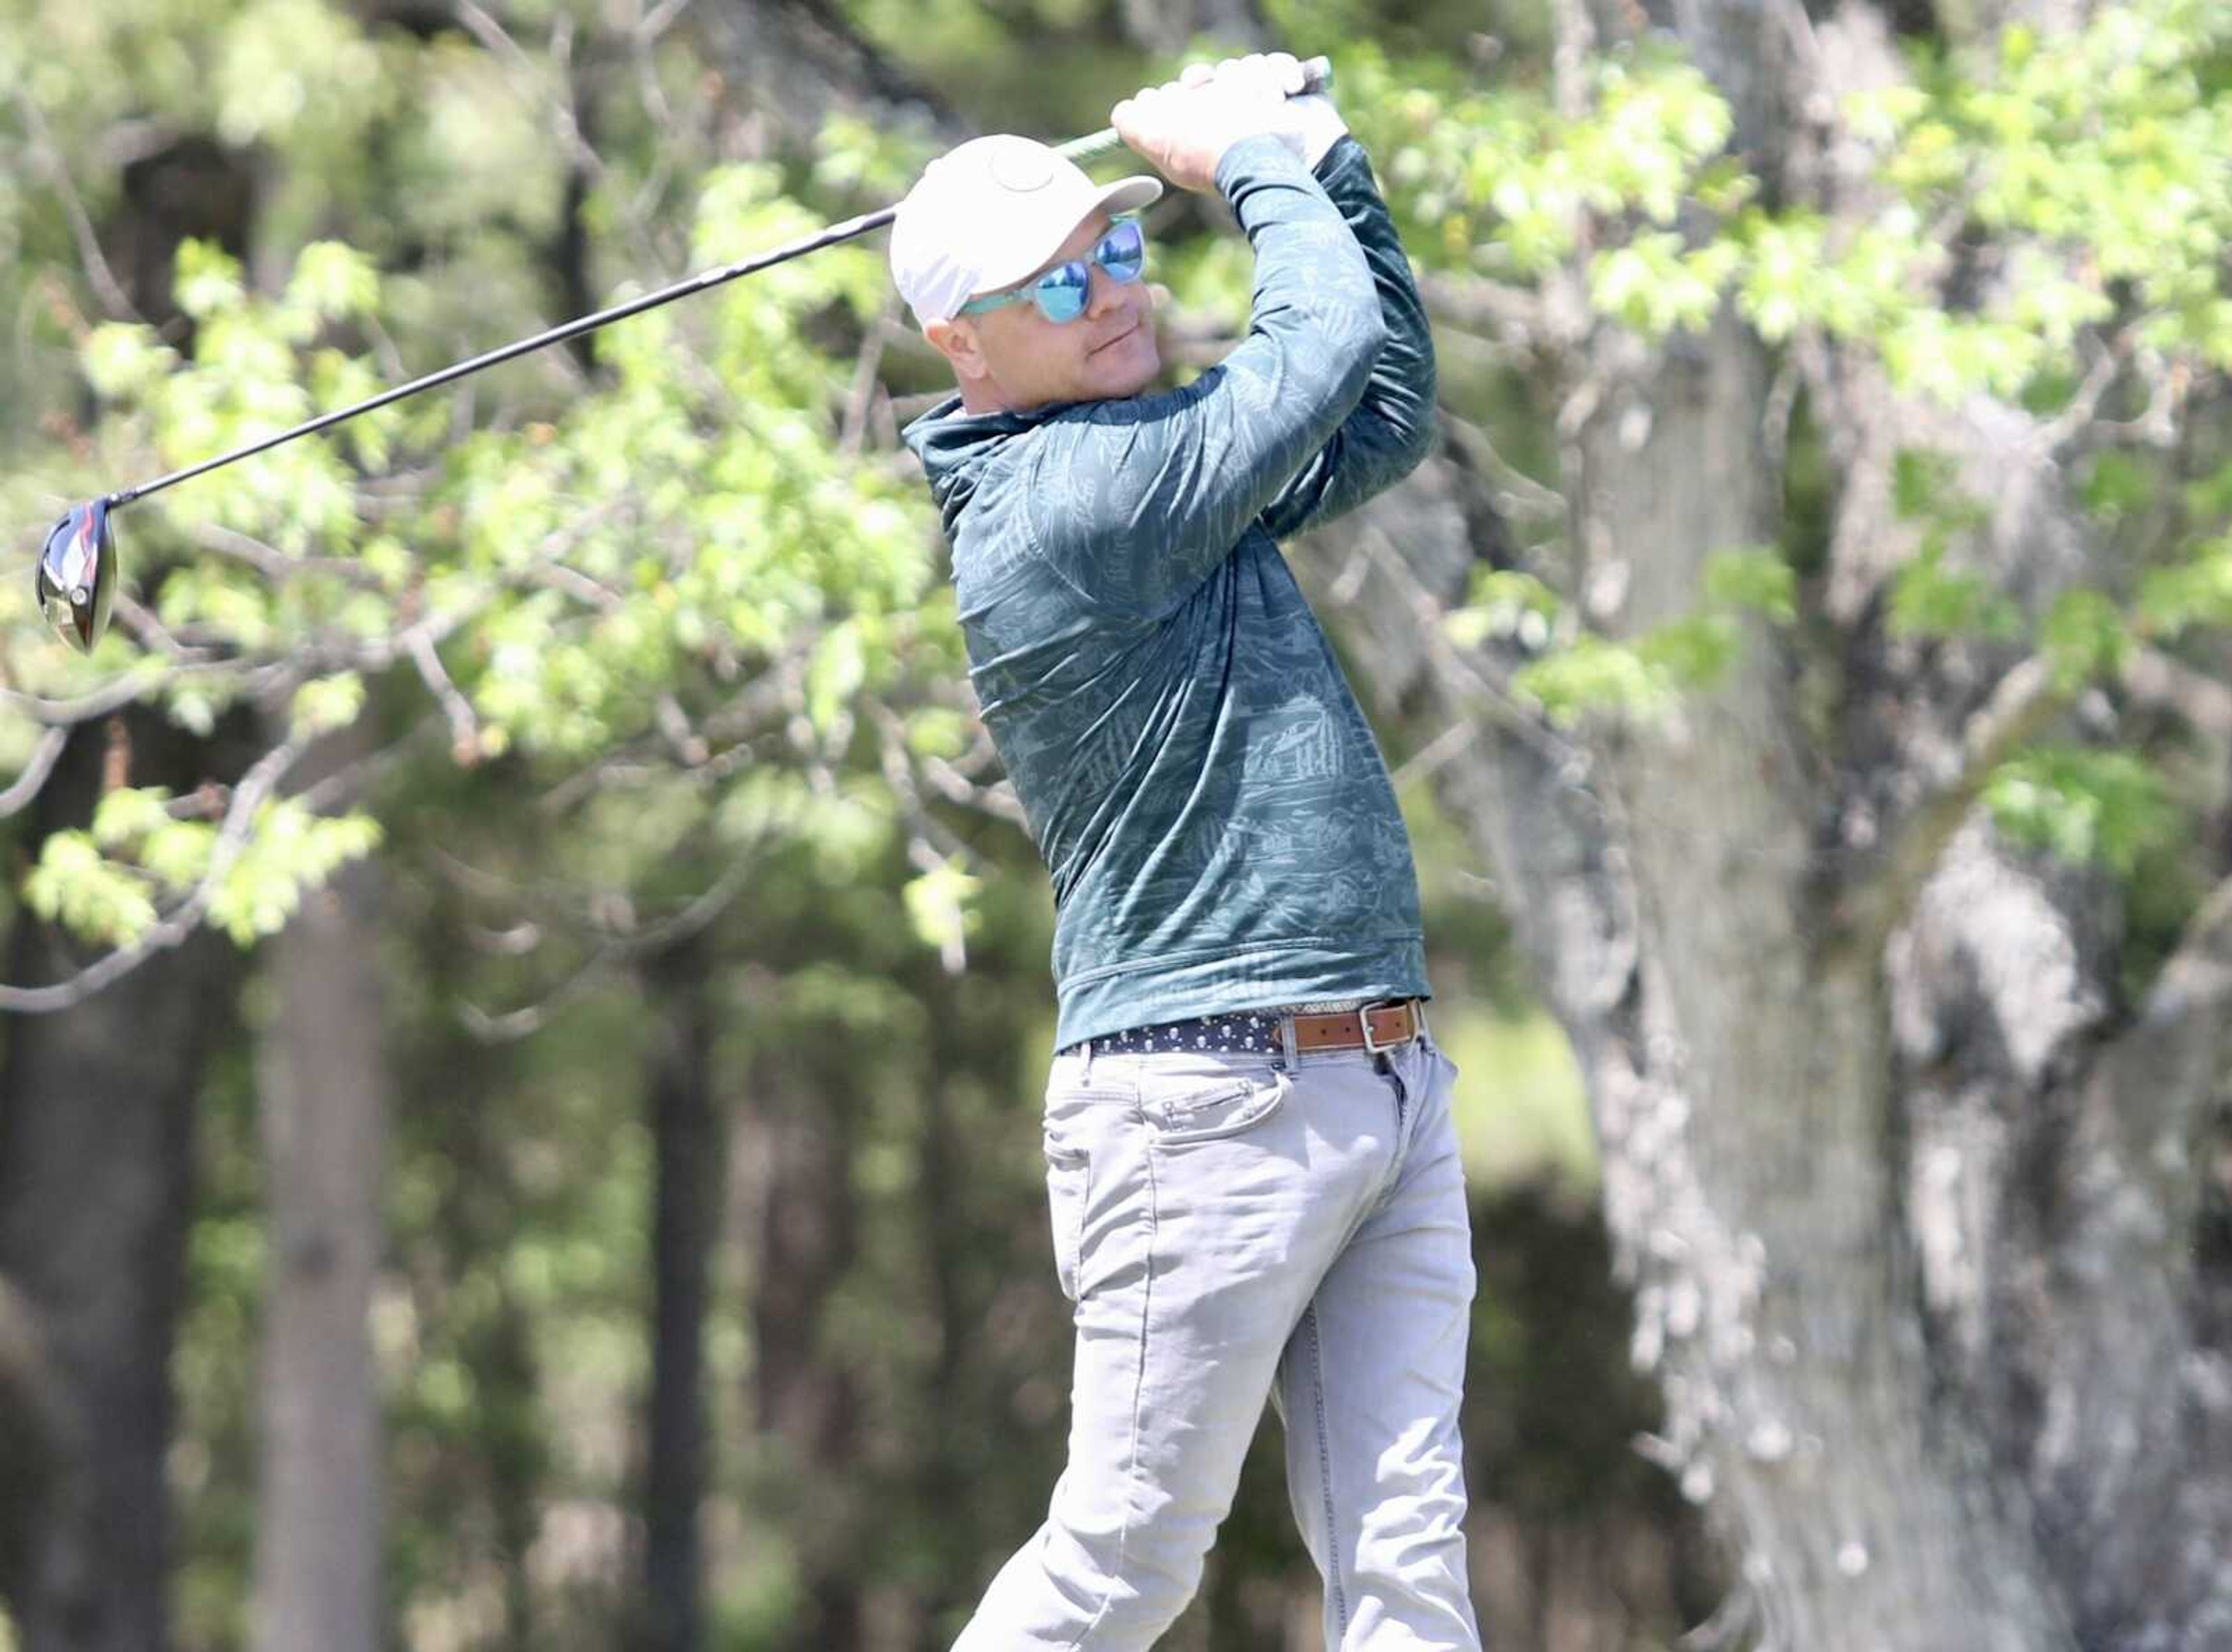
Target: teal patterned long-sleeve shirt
<point>1209,801</point>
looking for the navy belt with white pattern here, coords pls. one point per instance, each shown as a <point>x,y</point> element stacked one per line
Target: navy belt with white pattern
<point>1256,1031</point>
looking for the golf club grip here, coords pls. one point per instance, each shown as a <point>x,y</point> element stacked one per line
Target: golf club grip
<point>1317,76</point>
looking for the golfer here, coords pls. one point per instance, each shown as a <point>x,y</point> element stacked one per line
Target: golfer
<point>1254,1180</point>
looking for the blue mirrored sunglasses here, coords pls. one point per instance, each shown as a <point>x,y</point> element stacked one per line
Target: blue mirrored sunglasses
<point>1061,294</point>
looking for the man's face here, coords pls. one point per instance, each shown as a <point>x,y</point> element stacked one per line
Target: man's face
<point>1014,357</point>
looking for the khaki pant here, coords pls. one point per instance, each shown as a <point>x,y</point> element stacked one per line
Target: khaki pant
<point>1233,1230</point>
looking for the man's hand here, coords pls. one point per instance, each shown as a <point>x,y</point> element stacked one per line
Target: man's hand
<point>1185,126</point>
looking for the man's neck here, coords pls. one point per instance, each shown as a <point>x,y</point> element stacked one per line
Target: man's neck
<point>980,396</point>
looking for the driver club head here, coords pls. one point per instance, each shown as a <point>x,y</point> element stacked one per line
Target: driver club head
<point>77,574</point>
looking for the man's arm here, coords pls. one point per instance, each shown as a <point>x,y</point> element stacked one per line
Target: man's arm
<point>1135,501</point>
<point>1382,441</point>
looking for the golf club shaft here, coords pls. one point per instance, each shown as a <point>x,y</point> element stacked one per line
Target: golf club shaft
<point>1317,75</point>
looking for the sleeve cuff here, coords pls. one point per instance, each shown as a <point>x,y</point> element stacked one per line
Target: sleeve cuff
<point>1264,153</point>
<point>1330,163</point>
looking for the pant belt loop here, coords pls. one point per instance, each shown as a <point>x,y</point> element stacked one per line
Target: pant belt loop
<point>1289,1048</point>
<point>1085,1075</point>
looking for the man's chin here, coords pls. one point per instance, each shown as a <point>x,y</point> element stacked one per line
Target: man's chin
<point>1132,364</point>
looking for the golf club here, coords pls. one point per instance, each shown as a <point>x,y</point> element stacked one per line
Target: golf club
<point>77,573</point>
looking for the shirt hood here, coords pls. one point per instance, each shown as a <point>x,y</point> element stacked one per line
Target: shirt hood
<point>956,446</point>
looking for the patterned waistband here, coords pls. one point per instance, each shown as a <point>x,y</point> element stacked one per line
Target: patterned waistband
<point>1241,1031</point>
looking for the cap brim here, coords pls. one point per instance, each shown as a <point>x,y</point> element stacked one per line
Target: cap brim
<point>1124,195</point>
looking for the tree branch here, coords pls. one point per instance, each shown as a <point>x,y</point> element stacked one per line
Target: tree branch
<point>1510,315</point>
<point>255,789</point>
<point>110,291</point>
<point>26,785</point>
<point>516,1024</point>
<point>2022,704</point>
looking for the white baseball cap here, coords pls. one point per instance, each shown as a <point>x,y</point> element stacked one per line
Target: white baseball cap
<point>987,213</point>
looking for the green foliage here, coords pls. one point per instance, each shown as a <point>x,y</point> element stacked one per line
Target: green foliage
<point>2084,805</point>
<point>1498,181</point>
<point>1654,285</point>
<point>326,703</point>
<point>1505,604</point>
<point>2084,637</point>
<point>1932,595</point>
<point>102,884</point>
<point>74,886</point>
<point>1594,675</point>
<point>1929,599</point>
<point>937,904</point>
<point>2096,163</point>
<point>2194,592</point>
<point>1646,679</point>
<point>1760,582</point>
<point>290,851</point>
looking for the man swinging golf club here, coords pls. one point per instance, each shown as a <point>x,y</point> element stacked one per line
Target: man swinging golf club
<point>1254,1179</point>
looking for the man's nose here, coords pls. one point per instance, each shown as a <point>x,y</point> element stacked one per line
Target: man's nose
<point>1101,292</point>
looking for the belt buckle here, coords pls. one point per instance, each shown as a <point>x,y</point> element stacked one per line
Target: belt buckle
<point>1363,1024</point>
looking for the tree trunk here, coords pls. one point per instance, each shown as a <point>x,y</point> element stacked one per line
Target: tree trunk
<point>805,1402</point>
<point>686,1219</point>
<point>96,1154</point>
<point>28,1444</point>
<point>1928,1250</point>
<point>323,1073</point>
<point>1749,1151</point>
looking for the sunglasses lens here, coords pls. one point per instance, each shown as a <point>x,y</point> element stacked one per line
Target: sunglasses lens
<point>1062,293</point>
<point>1123,250</point>
<point>76,580</point>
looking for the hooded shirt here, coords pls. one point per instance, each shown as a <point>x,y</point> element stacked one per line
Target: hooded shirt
<point>1209,801</point>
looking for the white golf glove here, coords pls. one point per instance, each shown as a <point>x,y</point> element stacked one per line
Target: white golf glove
<point>1309,124</point>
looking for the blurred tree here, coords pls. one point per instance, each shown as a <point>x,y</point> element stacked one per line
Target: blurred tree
<point>686,1148</point>
<point>1848,736</point>
<point>323,1079</point>
<point>97,1103</point>
<point>96,1133</point>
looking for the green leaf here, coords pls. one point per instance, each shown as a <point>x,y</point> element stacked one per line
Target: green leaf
<point>1758,580</point>
<point>206,282</point>
<point>94,898</point>
<point>327,703</point>
<point>1928,600</point>
<point>937,904</point>
<point>2085,638</point>
<point>2196,592</point>
<point>333,280</point>
<point>1692,653</point>
<point>1594,676</point>
<point>939,731</point>
<point>124,360</point>
<point>178,853</point>
<point>839,667</point>
<point>288,851</point>
<point>2083,805</point>
<point>129,814</point>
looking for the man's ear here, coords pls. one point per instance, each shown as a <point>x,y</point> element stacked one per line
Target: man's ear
<point>959,345</point>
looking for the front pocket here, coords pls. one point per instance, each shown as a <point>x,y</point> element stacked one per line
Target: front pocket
<point>1209,1109</point>
<point>1068,1187</point>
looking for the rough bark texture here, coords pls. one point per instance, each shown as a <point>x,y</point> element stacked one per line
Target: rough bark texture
<point>1927,1226</point>
<point>96,1128</point>
<point>323,1081</point>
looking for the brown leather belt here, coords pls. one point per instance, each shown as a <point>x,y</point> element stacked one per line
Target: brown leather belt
<point>1375,1027</point>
